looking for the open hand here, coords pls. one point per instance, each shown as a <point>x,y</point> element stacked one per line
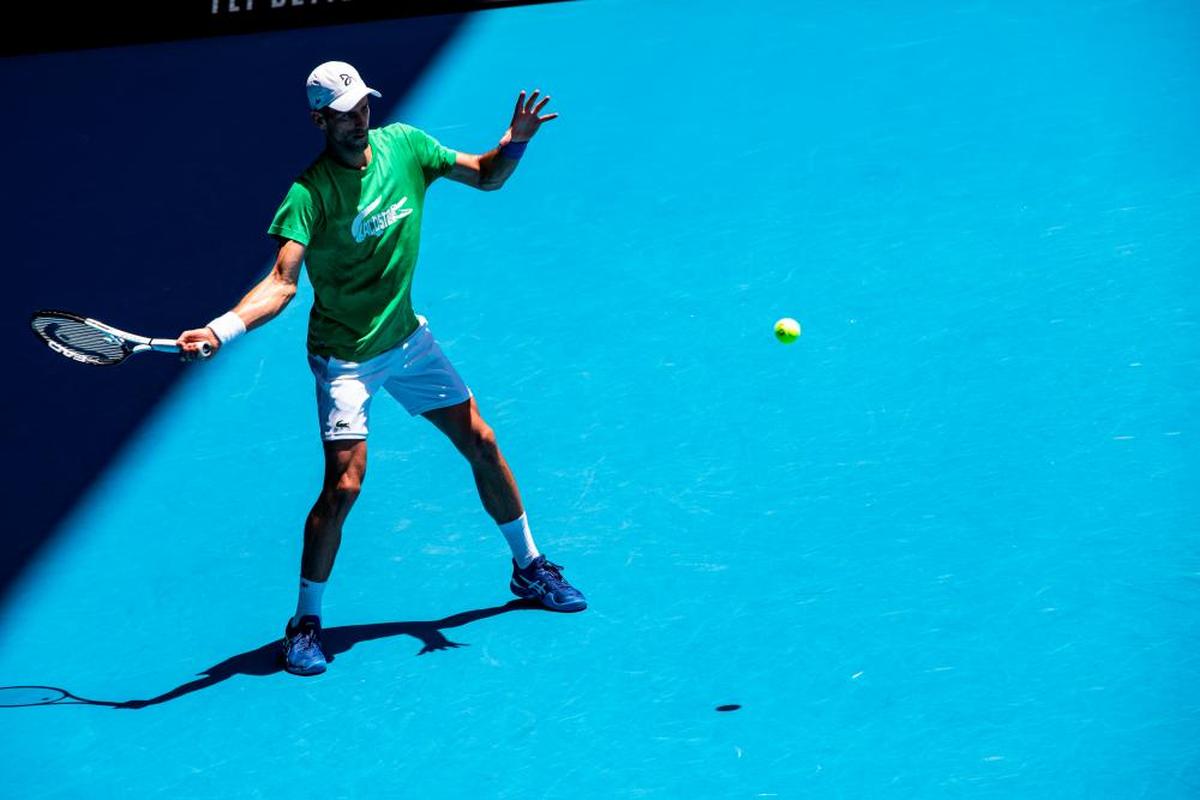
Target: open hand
<point>525,121</point>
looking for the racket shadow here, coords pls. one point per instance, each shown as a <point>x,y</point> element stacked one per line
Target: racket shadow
<point>265,660</point>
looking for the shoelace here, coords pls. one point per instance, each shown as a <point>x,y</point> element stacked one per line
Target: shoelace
<point>304,639</point>
<point>555,571</point>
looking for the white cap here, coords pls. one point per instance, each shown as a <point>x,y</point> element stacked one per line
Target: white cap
<point>337,85</point>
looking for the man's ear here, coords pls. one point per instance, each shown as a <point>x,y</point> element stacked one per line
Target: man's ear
<point>318,119</point>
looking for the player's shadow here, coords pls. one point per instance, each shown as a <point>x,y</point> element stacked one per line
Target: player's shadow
<point>265,660</point>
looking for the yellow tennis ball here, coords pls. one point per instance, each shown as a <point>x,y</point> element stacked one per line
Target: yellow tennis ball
<point>787,330</point>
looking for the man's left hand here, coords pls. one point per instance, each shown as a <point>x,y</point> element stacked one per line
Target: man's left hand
<point>526,119</point>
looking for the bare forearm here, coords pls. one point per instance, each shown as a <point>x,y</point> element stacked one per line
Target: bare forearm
<point>260,305</point>
<point>495,169</point>
<point>265,301</point>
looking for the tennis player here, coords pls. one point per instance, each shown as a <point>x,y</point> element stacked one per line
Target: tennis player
<point>354,217</point>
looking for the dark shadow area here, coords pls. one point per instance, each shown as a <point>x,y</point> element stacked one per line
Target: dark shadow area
<point>45,27</point>
<point>265,660</point>
<point>140,187</point>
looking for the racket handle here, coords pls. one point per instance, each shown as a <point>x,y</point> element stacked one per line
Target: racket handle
<point>172,346</point>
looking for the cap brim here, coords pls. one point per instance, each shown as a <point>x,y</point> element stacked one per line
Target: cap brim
<point>350,99</point>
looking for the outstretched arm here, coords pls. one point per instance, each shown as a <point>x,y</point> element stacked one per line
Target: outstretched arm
<point>260,305</point>
<point>490,170</point>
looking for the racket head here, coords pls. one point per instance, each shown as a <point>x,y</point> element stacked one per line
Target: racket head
<point>78,339</point>
<point>20,696</point>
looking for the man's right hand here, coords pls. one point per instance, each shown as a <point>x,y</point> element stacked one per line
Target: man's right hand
<point>191,340</point>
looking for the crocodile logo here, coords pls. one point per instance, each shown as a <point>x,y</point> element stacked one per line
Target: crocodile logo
<point>369,223</point>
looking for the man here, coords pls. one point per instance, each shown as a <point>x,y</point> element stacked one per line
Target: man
<point>354,218</point>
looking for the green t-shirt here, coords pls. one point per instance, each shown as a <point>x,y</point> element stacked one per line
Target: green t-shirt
<point>362,230</point>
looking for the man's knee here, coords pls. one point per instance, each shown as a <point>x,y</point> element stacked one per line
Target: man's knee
<point>337,499</point>
<point>484,449</point>
<point>348,486</point>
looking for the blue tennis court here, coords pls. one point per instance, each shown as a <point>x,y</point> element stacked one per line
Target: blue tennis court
<point>944,545</point>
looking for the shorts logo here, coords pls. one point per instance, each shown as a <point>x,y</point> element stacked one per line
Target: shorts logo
<point>368,223</point>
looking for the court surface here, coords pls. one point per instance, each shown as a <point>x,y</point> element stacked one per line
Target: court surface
<point>942,546</point>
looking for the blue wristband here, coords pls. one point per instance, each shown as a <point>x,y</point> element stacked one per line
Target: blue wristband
<point>513,150</point>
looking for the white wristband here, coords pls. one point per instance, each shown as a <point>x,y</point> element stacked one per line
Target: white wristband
<point>227,327</point>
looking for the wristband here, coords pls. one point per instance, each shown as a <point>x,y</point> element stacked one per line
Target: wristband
<point>227,327</point>
<point>513,150</point>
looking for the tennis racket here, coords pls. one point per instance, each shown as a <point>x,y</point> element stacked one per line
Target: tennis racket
<point>19,696</point>
<point>26,696</point>
<point>91,342</point>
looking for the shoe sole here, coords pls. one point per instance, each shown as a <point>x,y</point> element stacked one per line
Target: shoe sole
<point>304,673</point>
<point>288,668</point>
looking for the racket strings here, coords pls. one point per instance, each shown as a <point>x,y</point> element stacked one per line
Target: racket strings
<point>81,338</point>
<point>17,696</point>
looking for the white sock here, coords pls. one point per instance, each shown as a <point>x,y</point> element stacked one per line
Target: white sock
<point>310,600</point>
<point>520,540</point>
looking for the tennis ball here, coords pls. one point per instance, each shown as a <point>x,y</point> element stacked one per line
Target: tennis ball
<point>787,330</point>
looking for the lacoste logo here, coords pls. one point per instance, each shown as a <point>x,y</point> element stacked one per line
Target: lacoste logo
<point>367,223</point>
<point>341,425</point>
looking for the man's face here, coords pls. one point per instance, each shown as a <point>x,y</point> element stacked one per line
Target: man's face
<point>346,129</point>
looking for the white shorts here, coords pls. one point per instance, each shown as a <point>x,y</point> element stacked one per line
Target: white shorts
<point>416,372</point>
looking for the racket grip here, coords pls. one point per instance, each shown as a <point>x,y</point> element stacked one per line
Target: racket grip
<point>206,350</point>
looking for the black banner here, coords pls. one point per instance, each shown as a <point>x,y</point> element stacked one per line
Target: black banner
<point>36,27</point>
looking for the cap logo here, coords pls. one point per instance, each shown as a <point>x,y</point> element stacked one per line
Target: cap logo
<point>335,84</point>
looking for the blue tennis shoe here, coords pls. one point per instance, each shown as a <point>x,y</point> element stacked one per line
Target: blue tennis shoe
<point>543,581</point>
<point>302,653</point>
